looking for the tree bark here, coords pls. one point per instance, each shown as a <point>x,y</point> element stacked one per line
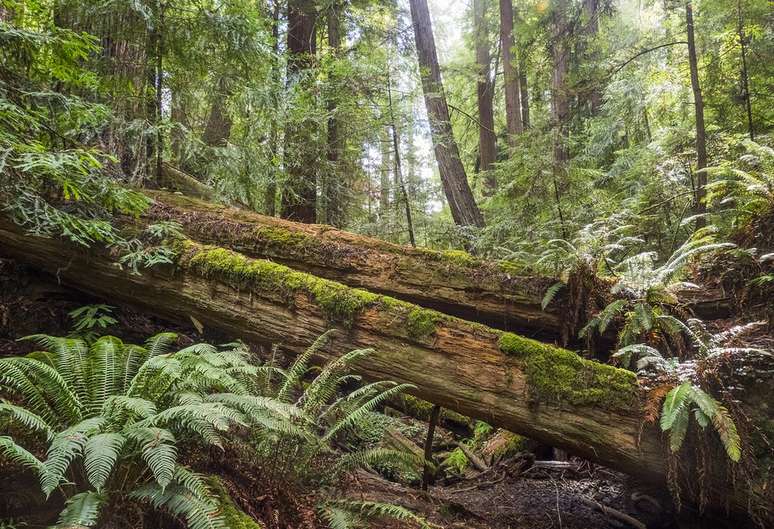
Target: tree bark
<point>591,29</point>
<point>454,283</point>
<point>512,84</point>
<point>332,188</point>
<point>299,196</point>
<point>745,75</point>
<point>524,91</point>
<point>218,128</point>
<point>463,206</point>
<point>560,102</point>
<point>487,146</point>
<point>701,133</point>
<point>527,387</point>
<point>270,193</point>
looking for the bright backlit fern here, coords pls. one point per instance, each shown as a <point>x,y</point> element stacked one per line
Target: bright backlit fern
<point>647,292</point>
<point>688,398</point>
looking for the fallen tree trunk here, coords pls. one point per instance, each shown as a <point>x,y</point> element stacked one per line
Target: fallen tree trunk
<point>546,393</point>
<point>452,282</point>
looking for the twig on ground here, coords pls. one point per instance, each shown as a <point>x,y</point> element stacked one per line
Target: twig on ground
<point>612,513</point>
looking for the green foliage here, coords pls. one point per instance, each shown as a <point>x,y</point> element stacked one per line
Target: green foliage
<point>90,319</point>
<point>648,292</point>
<point>688,399</point>
<point>350,514</point>
<point>114,415</point>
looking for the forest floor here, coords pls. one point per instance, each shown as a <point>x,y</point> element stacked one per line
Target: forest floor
<point>506,500</point>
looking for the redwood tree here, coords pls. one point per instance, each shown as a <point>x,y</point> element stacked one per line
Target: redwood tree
<point>299,195</point>
<point>701,133</point>
<point>487,141</point>
<point>512,84</point>
<point>463,206</point>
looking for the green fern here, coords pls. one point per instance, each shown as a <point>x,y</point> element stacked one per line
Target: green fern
<point>676,413</point>
<point>113,412</point>
<point>343,514</point>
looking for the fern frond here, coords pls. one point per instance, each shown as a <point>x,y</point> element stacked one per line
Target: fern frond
<point>679,428</point>
<point>100,455</point>
<point>81,510</point>
<point>551,293</point>
<point>120,408</point>
<point>105,370</point>
<point>324,386</point>
<point>675,401</point>
<point>299,367</point>
<point>721,420</point>
<point>372,509</point>
<point>19,455</point>
<point>160,343</point>
<point>158,451</point>
<point>355,416</point>
<point>402,459</point>
<point>26,418</point>
<point>626,354</point>
<point>65,447</point>
<point>69,360</point>
<point>193,482</point>
<point>338,518</point>
<point>178,501</point>
<point>610,312</point>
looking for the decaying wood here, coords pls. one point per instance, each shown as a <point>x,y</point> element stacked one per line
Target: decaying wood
<point>537,390</point>
<point>451,282</point>
<point>475,461</point>
<point>177,180</point>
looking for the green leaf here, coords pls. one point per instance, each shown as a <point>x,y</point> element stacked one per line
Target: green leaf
<point>676,400</point>
<point>551,294</point>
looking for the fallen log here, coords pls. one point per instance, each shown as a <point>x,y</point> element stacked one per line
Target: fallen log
<point>494,293</point>
<point>452,282</point>
<point>546,393</point>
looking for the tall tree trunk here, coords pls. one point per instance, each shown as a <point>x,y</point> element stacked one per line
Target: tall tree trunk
<point>463,206</point>
<point>400,185</point>
<point>270,193</point>
<point>512,84</point>
<point>159,89</point>
<point>591,29</point>
<point>701,133</point>
<point>385,169</point>
<point>560,102</point>
<point>744,73</point>
<point>299,197</point>
<point>218,128</point>
<point>332,186</point>
<point>487,146</point>
<point>524,90</point>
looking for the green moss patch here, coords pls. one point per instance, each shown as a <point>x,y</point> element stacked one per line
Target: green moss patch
<point>421,323</point>
<point>338,302</point>
<point>234,517</point>
<point>558,375</point>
